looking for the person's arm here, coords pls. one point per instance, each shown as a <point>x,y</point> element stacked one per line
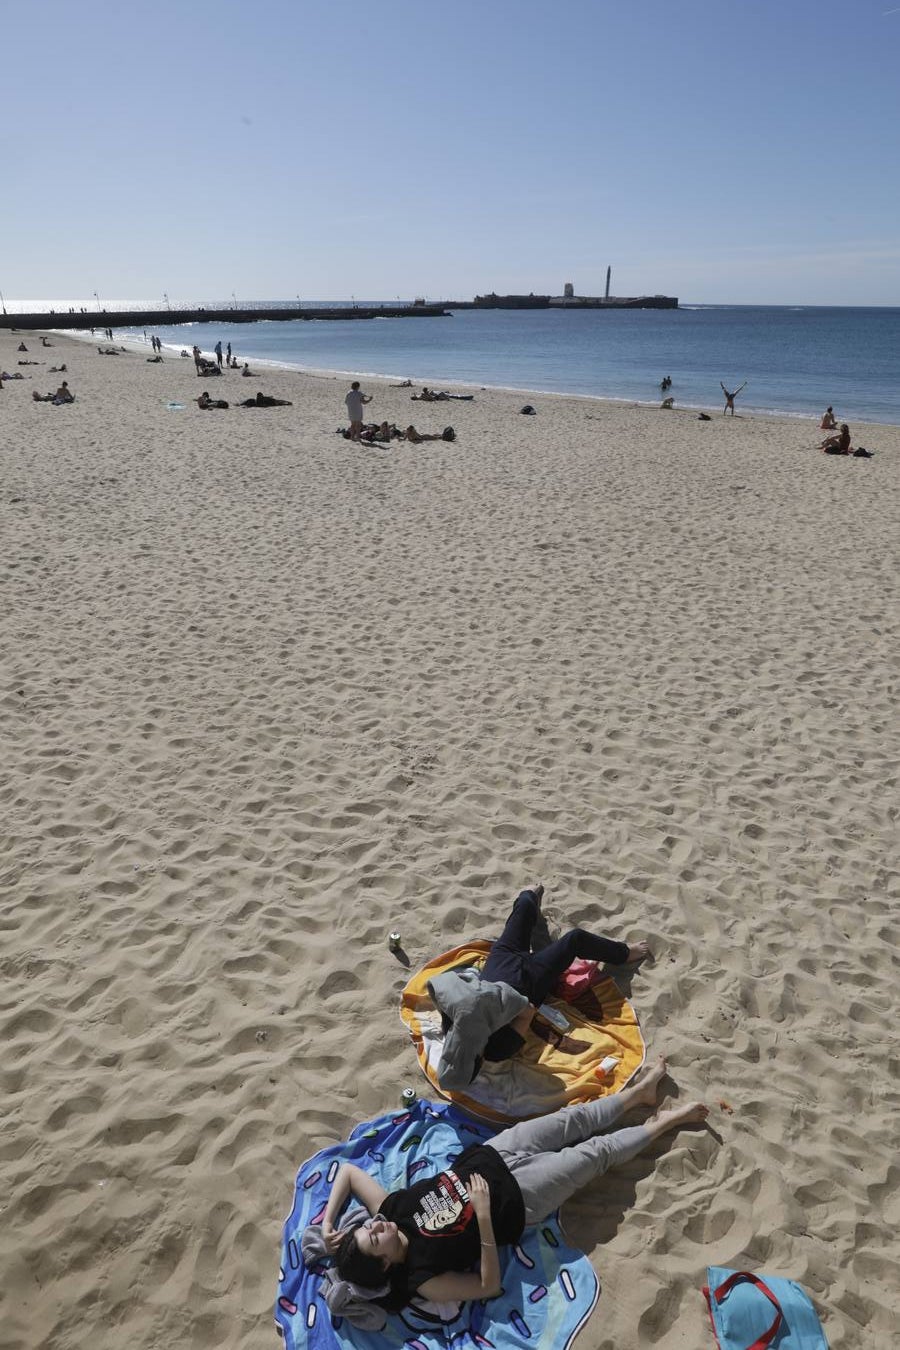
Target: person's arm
<point>485,1282</point>
<point>350,1180</point>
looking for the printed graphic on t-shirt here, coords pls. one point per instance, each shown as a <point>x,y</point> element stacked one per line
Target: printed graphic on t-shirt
<point>445,1209</point>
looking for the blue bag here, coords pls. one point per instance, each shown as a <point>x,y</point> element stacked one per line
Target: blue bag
<point>755,1312</point>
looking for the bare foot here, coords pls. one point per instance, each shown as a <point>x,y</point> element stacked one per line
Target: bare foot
<point>639,952</point>
<point>645,1090</point>
<point>538,892</point>
<point>692,1113</point>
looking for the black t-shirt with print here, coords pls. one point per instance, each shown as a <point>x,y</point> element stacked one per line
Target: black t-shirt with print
<point>437,1217</point>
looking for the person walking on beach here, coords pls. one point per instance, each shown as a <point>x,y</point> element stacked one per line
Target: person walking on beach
<point>730,397</point>
<point>218,351</point>
<point>355,402</point>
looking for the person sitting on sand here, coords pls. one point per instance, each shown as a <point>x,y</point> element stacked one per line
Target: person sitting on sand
<point>828,422</point>
<point>21,347</point>
<point>837,445</point>
<point>730,397</point>
<point>404,384</point>
<point>204,401</point>
<point>247,371</point>
<point>486,1017</point>
<point>64,394</point>
<point>427,396</point>
<point>438,1238</point>
<point>265,401</point>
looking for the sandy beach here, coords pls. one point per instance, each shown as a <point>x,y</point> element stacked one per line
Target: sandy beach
<point>268,695</point>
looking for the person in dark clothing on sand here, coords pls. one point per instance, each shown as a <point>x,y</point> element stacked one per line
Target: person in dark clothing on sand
<point>265,401</point>
<point>486,1016</point>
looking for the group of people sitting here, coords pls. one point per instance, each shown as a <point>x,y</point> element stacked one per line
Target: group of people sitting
<point>438,1238</point>
<point>840,444</point>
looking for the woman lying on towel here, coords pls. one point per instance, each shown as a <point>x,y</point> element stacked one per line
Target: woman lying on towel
<point>437,1239</point>
<point>486,1014</point>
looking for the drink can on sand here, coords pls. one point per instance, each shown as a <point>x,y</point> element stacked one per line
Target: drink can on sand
<point>408,1096</point>
<point>394,941</point>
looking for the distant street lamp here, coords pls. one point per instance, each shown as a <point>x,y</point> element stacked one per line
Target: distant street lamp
<point>234,298</point>
<point>99,306</point>
<point>2,302</point>
<point>166,298</point>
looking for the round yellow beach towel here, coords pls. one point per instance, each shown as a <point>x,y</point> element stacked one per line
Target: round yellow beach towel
<point>553,1069</point>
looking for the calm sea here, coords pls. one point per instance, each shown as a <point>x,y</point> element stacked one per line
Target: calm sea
<point>795,360</point>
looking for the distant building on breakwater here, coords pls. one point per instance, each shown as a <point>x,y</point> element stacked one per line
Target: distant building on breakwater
<point>569,300</point>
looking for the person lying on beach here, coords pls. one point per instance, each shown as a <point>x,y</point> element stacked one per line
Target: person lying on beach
<point>204,401</point>
<point>248,371</point>
<point>442,396</point>
<point>486,1015</point>
<point>373,432</point>
<point>404,384</point>
<point>730,397</point>
<point>58,370</point>
<point>828,422</point>
<point>265,401</point>
<point>154,360</point>
<point>837,445</point>
<point>438,1238</point>
<point>107,351</point>
<point>29,363</point>
<point>419,437</point>
<point>18,375</point>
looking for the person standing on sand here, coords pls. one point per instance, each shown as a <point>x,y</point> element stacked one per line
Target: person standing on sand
<point>218,351</point>
<point>729,397</point>
<point>355,402</point>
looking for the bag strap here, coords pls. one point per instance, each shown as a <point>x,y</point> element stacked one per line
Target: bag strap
<point>725,1289</point>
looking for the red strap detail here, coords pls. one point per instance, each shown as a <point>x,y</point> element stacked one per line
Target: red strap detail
<point>723,1290</point>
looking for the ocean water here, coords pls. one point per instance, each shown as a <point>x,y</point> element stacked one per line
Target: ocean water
<point>796,360</point>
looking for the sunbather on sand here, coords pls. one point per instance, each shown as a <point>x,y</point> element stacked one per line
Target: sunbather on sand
<point>265,401</point>
<point>829,421</point>
<point>487,1016</point>
<point>5,375</point>
<point>837,445</point>
<point>438,1238</point>
<point>204,401</point>
<point>417,437</point>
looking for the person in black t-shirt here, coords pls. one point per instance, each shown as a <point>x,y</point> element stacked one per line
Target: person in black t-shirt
<point>438,1238</point>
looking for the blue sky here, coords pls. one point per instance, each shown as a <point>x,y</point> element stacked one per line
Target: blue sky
<point>721,151</point>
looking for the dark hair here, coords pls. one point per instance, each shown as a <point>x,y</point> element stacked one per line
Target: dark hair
<point>359,1267</point>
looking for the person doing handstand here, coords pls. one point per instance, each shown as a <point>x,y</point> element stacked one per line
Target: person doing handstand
<point>730,397</point>
<point>438,1238</point>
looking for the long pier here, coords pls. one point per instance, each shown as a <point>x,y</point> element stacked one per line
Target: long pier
<point>163,318</point>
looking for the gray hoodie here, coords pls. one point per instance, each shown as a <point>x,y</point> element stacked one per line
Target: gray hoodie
<point>476,1008</point>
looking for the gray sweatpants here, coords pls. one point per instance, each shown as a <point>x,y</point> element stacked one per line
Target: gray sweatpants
<point>554,1156</point>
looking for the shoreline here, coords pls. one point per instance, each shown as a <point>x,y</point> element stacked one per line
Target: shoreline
<point>137,346</point>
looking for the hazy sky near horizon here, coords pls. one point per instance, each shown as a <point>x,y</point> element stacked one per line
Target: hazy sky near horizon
<point>714,150</point>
